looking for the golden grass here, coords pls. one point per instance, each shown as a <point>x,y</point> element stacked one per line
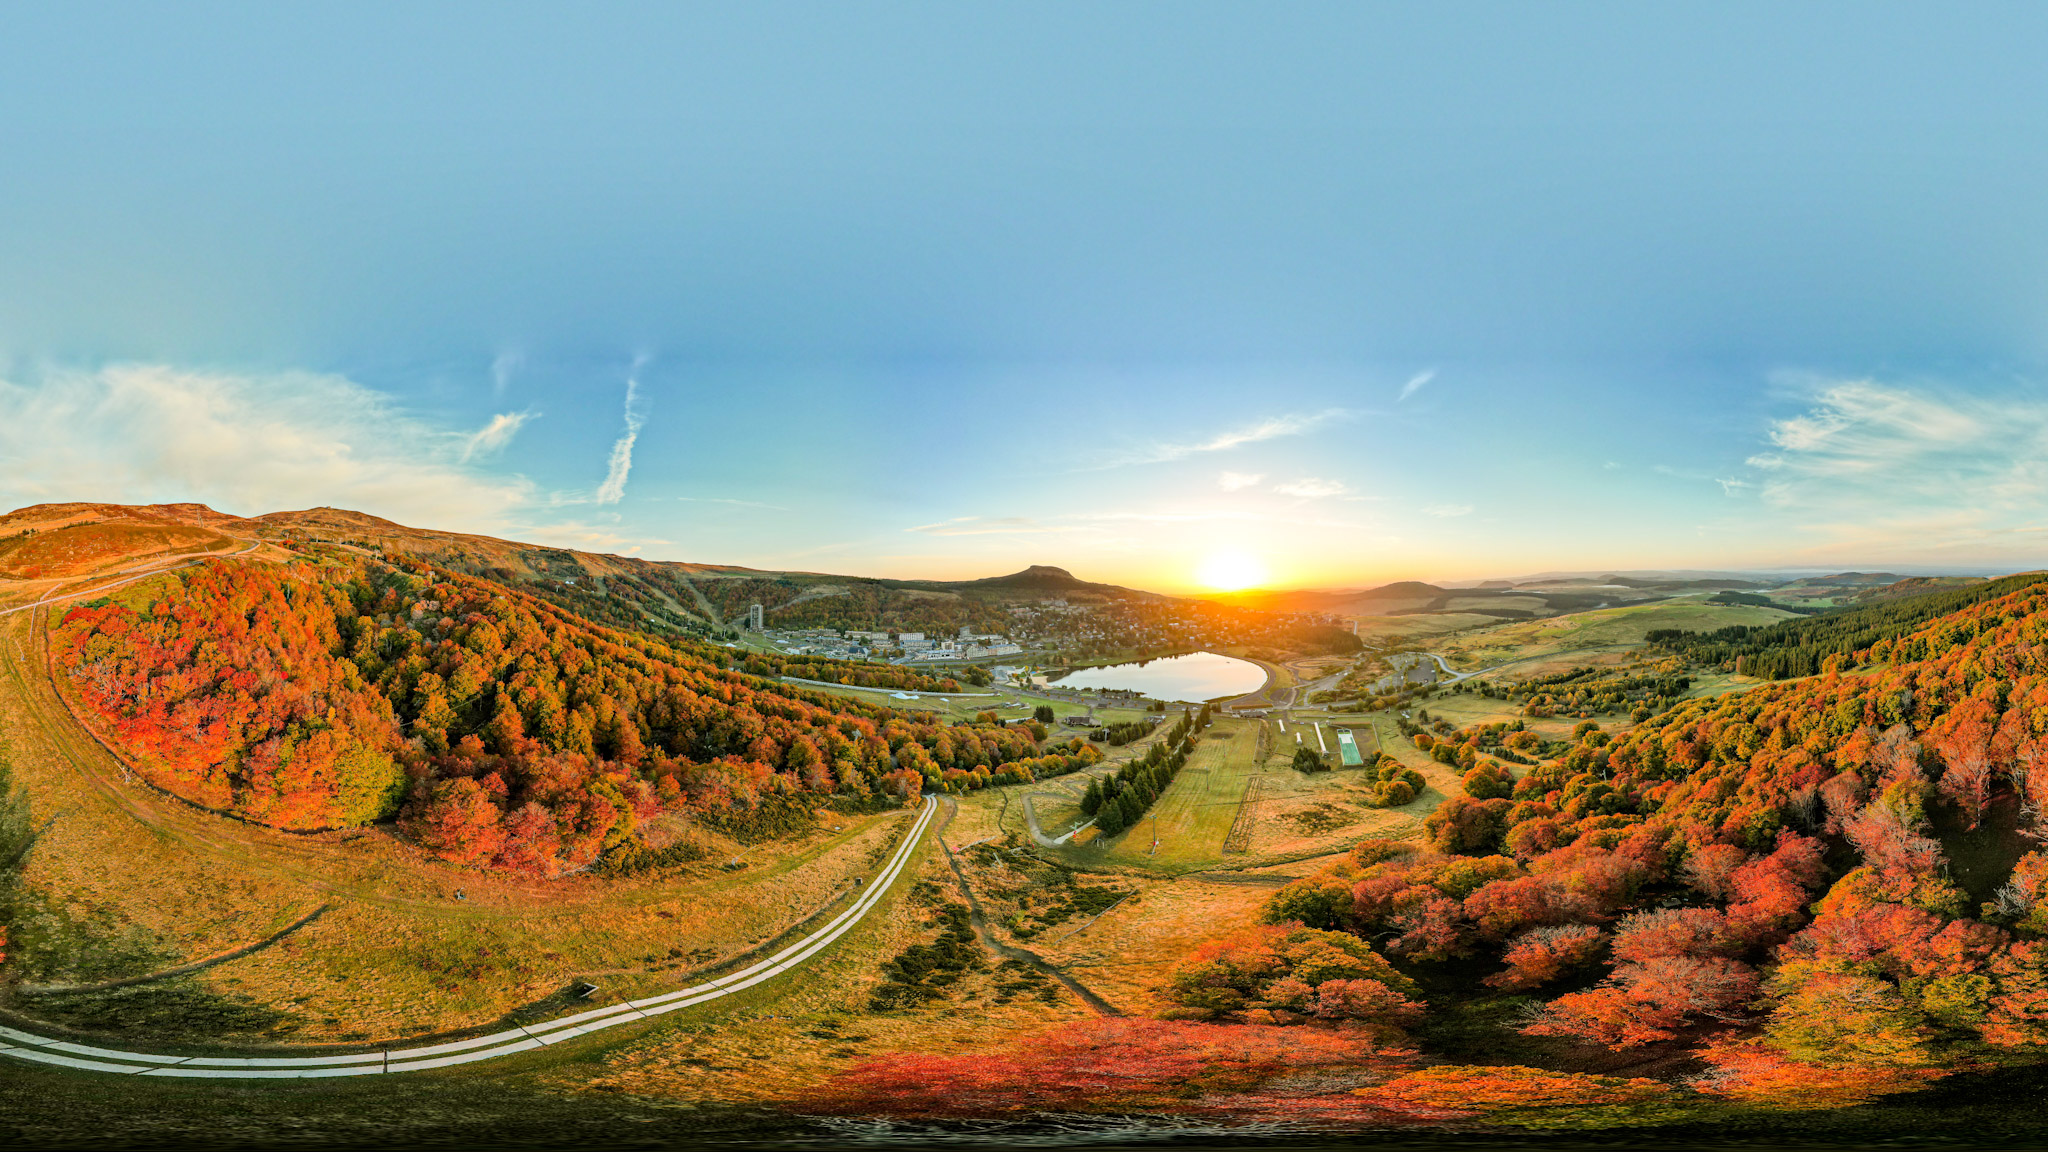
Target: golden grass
<point>81,549</point>
<point>1191,819</point>
<point>126,881</point>
<point>775,1045</point>
<point>1533,646</point>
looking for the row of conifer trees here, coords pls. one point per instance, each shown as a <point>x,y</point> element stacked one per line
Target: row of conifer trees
<point>1120,800</point>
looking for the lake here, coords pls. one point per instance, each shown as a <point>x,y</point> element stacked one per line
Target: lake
<point>1195,676</point>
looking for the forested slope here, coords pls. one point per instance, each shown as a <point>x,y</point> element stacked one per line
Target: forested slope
<point>502,730</point>
<point>1794,648</point>
<point>1774,881</point>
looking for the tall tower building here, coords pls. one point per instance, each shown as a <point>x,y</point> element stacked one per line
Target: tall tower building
<point>754,618</point>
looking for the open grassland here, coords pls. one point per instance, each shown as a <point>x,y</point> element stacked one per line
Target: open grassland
<point>796,1034</point>
<point>1126,953</point>
<point>1422,626</point>
<point>1528,642</point>
<point>124,882</point>
<point>1462,710</point>
<point>117,571</point>
<point>84,549</point>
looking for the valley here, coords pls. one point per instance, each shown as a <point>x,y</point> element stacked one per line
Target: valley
<point>920,864</point>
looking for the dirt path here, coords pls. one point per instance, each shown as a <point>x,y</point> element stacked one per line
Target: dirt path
<point>1038,835</point>
<point>1008,951</point>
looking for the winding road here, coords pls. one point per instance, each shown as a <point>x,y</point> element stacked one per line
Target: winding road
<point>142,572</point>
<point>22,1045</point>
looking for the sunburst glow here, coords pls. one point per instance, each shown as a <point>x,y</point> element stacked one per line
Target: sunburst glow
<point>1230,571</point>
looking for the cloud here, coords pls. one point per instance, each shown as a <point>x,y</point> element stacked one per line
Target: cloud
<point>1268,429</point>
<point>620,464</point>
<point>1874,472</point>
<point>1448,509</point>
<point>1415,384</point>
<point>984,526</point>
<point>1233,481</point>
<point>494,436</point>
<point>1864,442</point>
<point>502,366</point>
<point>248,444</point>
<point>1732,487</point>
<point>594,538</point>
<point>1310,488</point>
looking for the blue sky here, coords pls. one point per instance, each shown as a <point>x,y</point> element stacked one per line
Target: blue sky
<point>1365,291</point>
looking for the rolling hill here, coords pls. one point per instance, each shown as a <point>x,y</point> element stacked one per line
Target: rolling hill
<point>49,541</point>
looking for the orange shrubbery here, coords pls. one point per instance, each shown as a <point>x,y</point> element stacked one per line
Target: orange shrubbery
<point>1762,865</point>
<point>1113,1064</point>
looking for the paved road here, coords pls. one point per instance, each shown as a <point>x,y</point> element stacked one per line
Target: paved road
<point>522,1038</point>
<point>152,570</point>
<point>1450,677</point>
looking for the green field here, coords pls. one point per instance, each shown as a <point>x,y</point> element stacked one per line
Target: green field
<point>1193,817</point>
<point>1195,814</point>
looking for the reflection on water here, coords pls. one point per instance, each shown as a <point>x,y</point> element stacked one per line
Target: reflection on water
<point>1196,676</point>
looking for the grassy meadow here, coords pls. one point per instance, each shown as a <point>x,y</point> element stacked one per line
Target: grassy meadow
<point>1526,644</point>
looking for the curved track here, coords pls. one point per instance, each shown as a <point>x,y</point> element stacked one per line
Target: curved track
<point>143,572</point>
<point>521,1038</point>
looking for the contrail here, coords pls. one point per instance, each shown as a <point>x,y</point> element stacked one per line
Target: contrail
<point>614,487</point>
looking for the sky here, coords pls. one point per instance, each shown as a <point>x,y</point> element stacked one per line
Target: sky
<point>1350,292</point>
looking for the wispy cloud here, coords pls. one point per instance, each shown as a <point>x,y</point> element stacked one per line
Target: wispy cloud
<point>1448,509</point>
<point>244,443</point>
<point>594,538</point>
<point>1863,439</point>
<point>985,526</point>
<point>1271,428</point>
<point>502,367</point>
<point>1310,488</point>
<point>1874,470</point>
<point>620,466</point>
<point>1236,481</point>
<point>1415,384</point>
<point>494,436</point>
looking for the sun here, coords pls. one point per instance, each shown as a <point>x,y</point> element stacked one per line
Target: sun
<point>1231,571</point>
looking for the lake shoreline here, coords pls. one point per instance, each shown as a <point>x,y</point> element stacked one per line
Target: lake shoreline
<point>1192,677</point>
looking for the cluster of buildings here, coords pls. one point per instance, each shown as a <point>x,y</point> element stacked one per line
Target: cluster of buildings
<point>898,647</point>
<point>968,645</point>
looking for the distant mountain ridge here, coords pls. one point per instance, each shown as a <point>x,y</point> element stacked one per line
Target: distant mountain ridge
<point>79,537</point>
<point>1043,580</point>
